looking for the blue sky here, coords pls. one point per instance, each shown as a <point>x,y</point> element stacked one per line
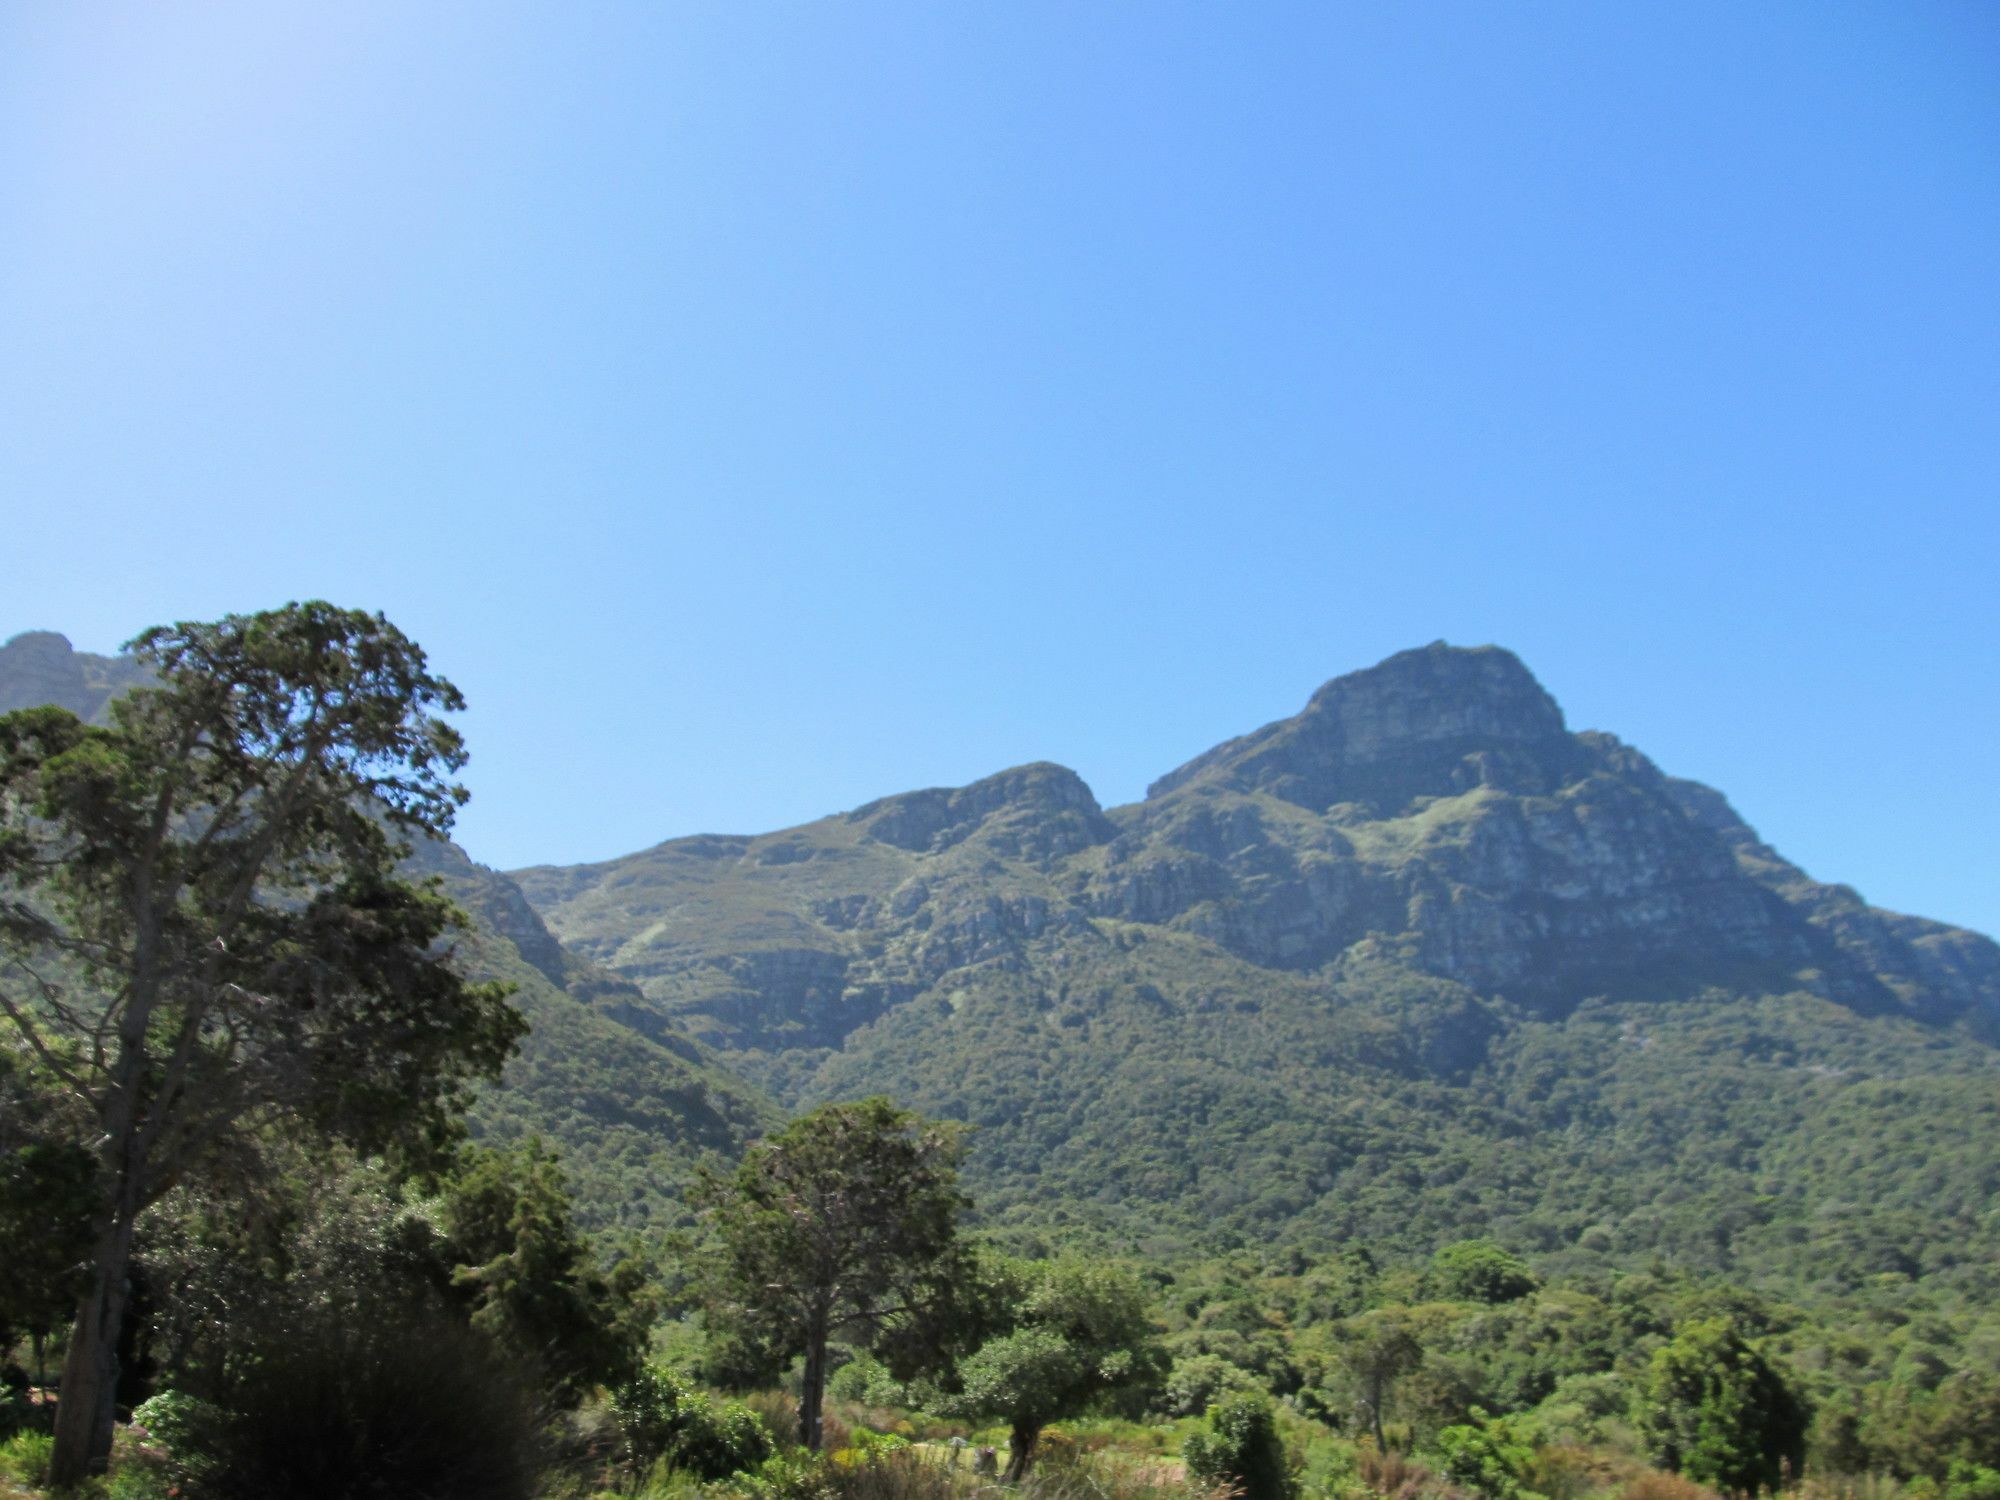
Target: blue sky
<point>762,408</point>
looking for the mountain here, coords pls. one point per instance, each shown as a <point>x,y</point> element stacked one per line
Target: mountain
<point>1416,961</point>
<point>40,667</point>
<point>630,1101</point>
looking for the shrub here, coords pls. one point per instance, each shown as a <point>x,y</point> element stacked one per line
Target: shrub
<point>1714,1408</point>
<point>1970,1481</point>
<point>1658,1486</point>
<point>24,1457</point>
<point>1486,1456</point>
<point>895,1475</point>
<point>1480,1271</point>
<point>386,1409</point>
<point>1240,1447</point>
<point>16,1412</point>
<point>778,1411</point>
<point>663,1418</point>
<point>1195,1383</point>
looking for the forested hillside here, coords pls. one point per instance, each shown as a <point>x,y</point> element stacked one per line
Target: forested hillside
<point>1416,963</point>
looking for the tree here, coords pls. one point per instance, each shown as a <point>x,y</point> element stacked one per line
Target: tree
<point>46,1183</point>
<point>1072,1331</point>
<point>531,1280</point>
<point>1480,1271</point>
<point>202,925</point>
<point>1378,1349</point>
<point>843,1223</point>
<point>1715,1409</point>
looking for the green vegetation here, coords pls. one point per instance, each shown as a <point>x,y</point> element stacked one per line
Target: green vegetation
<point>1063,1336</point>
<point>1270,1187</point>
<point>842,1224</point>
<point>211,932</point>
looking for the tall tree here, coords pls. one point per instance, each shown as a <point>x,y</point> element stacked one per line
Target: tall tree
<point>842,1224</point>
<point>202,925</point>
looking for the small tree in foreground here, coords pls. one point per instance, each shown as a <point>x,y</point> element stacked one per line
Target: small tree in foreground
<point>1072,1331</point>
<point>842,1224</point>
<point>201,924</point>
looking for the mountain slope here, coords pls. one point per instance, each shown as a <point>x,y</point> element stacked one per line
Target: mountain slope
<point>1416,961</point>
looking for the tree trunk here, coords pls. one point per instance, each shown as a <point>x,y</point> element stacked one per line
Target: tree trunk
<point>1020,1450</point>
<point>86,1404</point>
<point>812,1389</point>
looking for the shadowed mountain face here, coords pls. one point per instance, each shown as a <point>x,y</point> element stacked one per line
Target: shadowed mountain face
<point>40,667</point>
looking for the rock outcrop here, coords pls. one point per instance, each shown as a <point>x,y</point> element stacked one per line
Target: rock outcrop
<point>1437,801</point>
<point>40,666</point>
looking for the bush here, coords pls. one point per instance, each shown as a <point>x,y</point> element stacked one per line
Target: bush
<point>1240,1447</point>
<point>24,1457</point>
<point>1480,1271</point>
<point>778,1411</point>
<point>1658,1486</point>
<point>1970,1481</point>
<point>1196,1382</point>
<point>15,1412</point>
<point>663,1418</point>
<point>1486,1456</point>
<point>867,1382</point>
<point>895,1475</point>
<point>410,1409</point>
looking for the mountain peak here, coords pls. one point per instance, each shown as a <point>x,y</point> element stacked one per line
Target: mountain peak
<point>1041,809</point>
<point>1429,722</point>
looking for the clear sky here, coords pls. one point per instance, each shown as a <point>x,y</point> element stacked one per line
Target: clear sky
<point>762,408</point>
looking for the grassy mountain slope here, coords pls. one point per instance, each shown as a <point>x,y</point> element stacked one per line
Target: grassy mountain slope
<point>1414,963</point>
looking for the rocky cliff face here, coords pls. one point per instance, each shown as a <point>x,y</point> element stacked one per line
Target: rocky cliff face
<point>40,667</point>
<point>1437,801</point>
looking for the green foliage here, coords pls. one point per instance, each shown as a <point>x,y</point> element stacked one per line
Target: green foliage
<point>1195,1383</point>
<point>47,1195</point>
<point>844,1223</point>
<point>665,1420</point>
<point>1239,1446</point>
<point>1068,1332</point>
<point>866,1381</point>
<point>1489,1456</point>
<point>1480,1271</point>
<point>25,1457</point>
<point>210,931</point>
<point>531,1281</point>
<point>336,1410</point>
<point>1716,1409</point>
<point>1970,1481</point>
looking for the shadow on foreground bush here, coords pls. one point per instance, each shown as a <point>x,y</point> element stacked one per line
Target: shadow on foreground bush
<point>417,1410</point>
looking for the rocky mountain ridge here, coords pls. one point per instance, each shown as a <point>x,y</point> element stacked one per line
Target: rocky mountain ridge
<point>1437,803</point>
